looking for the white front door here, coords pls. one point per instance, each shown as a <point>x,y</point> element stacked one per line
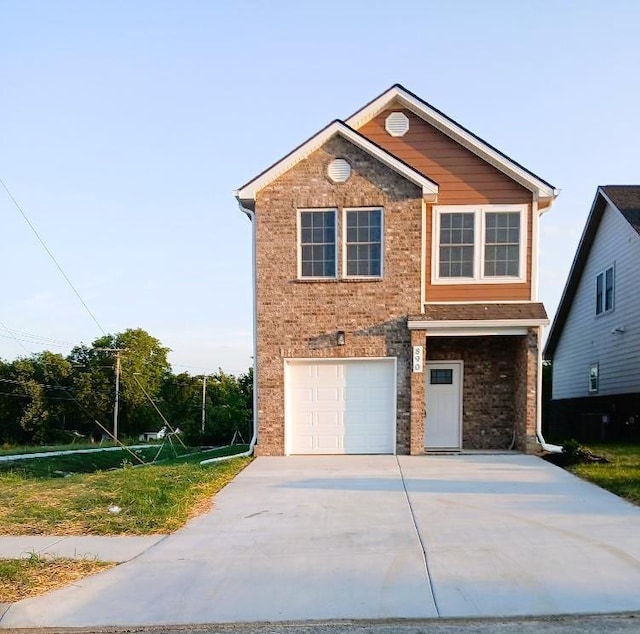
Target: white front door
<point>443,426</point>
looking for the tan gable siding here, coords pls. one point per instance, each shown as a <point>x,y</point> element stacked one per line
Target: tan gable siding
<point>464,179</point>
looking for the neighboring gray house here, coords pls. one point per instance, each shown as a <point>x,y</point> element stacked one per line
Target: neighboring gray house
<point>594,341</point>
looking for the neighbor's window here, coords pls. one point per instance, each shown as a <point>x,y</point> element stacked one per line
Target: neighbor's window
<point>317,243</point>
<point>502,244</point>
<point>363,242</point>
<point>604,291</point>
<point>456,245</point>
<point>479,244</point>
<point>594,382</point>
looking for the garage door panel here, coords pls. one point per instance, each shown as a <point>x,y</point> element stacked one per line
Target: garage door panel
<point>327,394</point>
<point>345,407</point>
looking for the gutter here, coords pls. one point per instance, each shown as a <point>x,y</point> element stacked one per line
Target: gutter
<point>539,437</point>
<point>251,215</point>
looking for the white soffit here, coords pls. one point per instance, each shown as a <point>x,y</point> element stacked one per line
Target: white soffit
<point>457,133</point>
<point>249,191</point>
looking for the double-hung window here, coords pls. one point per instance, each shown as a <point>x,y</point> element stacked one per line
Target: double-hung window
<point>502,244</point>
<point>604,291</point>
<point>479,244</point>
<point>457,244</point>
<point>362,242</point>
<point>317,243</point>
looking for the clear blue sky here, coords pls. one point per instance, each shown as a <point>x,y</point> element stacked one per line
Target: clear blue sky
<point>126,126</point>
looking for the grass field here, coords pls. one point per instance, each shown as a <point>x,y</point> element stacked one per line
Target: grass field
<point>620,476</point>
<point>153,499</point>
<point>10,450</point>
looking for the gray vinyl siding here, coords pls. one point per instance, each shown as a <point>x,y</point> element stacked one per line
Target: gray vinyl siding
<point>586,338</point>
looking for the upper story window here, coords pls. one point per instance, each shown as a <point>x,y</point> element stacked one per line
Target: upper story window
<point>502,244</point>
<point>456,245</point>
<point>479,244</point>
<point>317,243</point>
<point>604,291</point>
<point>363,243</point>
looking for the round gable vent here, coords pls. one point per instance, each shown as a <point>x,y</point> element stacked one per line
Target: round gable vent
<point>339,170</point>
<point>397,124</point>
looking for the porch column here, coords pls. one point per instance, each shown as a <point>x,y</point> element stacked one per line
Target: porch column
<point>418,411</point>
<point>526,393</point>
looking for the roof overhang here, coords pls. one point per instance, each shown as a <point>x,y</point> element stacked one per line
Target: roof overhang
<point>475,327</point>
<point>247,193</point>
<point>544,191</point>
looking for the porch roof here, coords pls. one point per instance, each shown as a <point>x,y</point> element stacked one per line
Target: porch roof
<point>501,318</point>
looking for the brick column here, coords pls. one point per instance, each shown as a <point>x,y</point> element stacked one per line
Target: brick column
<point>526,393</point>
<point>418,411</point>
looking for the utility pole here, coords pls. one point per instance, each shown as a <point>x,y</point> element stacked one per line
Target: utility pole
<point>204,396</point>
<point>116,403</point>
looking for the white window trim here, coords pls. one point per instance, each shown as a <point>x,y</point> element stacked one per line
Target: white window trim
<point>344,244</point>
<point>299,243</point>
<point>603,272</point>
<point>479,212</point>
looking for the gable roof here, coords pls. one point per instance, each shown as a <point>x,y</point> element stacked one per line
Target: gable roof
<point>624,198</point>
<point>348,129</point>
<point>247,193</point>
<point>458,133</point>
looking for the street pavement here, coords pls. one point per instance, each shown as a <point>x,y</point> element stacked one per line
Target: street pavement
<point>374,537</point>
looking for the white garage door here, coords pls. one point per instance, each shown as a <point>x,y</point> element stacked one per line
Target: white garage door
<point>340,407</point>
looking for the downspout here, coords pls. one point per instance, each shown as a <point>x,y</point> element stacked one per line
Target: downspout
<point>251,215</point>
<point>546,446</point>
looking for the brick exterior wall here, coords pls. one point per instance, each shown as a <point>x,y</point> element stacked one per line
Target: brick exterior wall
<point>300,318</point>
<point>499,388</point>
<point>526,401</point>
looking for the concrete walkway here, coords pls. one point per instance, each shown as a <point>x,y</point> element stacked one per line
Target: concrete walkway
<point>118,549</point>
<point>373,537</point>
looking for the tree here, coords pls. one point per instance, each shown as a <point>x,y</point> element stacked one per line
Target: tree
<point>229,410</point>
<point>144,368</point>
<point>181,404</point>
<point>36,399</point>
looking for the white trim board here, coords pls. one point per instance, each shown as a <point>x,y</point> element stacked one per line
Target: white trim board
<point>455,131</point>
<point>248,192</point>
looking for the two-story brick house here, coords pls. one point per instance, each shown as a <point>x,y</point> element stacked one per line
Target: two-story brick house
<point>396,258</point>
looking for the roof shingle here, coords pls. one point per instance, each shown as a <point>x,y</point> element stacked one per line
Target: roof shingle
<point>627,199</point>
<point>490,312</point>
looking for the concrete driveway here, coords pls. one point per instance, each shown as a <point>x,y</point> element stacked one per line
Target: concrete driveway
<point>374,537</point>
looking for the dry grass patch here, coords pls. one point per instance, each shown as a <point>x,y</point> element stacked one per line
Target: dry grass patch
<point>34,576</point>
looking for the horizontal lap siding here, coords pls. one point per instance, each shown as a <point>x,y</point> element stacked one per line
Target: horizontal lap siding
<point>587,339</point>
<point>463,179</point>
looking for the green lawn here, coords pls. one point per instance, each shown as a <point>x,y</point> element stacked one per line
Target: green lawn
<point>620,476</point>
<point>152,499</point>
<point>62,466</point>
<point>10,450</point>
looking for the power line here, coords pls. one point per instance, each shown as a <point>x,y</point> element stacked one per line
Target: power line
<point>73,288</point>
<point>43,338</point>
<point>23,381</point>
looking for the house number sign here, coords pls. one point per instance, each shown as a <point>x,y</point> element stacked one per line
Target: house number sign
<point>418,358</point>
